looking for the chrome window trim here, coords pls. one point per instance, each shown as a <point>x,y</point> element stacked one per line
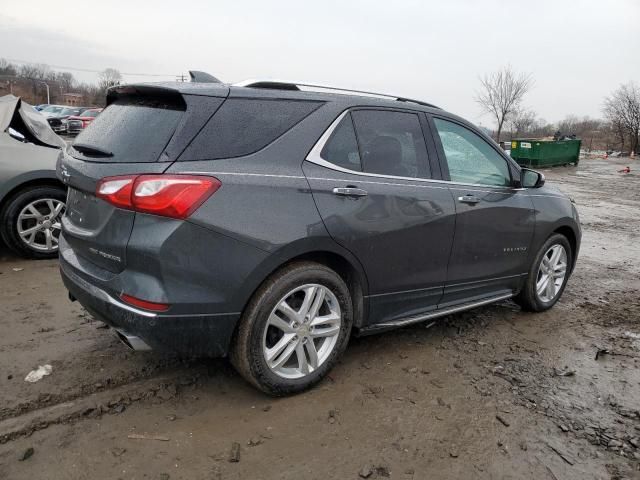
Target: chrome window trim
<point>314,157</point>
<point>331,166</point>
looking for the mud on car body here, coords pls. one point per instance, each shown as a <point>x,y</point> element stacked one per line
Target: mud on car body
<point>269,221</point>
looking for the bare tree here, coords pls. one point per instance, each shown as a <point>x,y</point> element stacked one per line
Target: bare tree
<point>502,92</point>
<point>35,71</point>
<point>622,109</point>
<point>522,122</point>
<point>109,77</point>
<point>7,68</point>
<point>65,80</point>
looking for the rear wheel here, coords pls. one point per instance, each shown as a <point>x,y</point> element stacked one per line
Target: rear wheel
<point>30,221</point>
<point>548,275</point>
<point>294,329</point>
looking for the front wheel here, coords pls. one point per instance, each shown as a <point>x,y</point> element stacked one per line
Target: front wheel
<point>548,275</point>
<point>294,329</point>
<point>30,221</point>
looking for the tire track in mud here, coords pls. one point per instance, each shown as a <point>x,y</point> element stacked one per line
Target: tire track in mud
<point>45,400</point>
<point>114,401</point>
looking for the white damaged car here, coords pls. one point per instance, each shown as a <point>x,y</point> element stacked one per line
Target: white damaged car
<point>32,199</point>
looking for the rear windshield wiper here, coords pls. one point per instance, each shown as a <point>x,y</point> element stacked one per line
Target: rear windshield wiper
<point>93,151</point>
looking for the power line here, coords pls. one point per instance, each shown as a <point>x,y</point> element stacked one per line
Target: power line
<point>88,70</point>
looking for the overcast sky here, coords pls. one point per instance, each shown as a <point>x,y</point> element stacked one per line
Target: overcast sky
<point>577,51</point>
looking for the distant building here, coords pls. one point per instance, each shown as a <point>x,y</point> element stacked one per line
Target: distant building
<point>72,99</point>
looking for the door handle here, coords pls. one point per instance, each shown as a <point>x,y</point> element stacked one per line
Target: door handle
<point>471,199</point>
<point>349,192</point>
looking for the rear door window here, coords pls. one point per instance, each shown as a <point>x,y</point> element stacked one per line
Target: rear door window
<point>243,126</point>
<point>342,147</point>
<point>391,143</point>
<point>129,132</point>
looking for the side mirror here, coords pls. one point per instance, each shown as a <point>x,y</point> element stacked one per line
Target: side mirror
<point>531,178</point>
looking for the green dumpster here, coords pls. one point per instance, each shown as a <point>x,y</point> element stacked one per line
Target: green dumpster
<point>532,152</point>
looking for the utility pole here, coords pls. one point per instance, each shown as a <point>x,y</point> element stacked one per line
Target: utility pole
<point>46,85</point>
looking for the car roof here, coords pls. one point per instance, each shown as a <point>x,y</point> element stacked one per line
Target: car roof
<point>275,89</point>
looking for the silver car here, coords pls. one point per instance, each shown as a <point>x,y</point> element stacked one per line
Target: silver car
<point>32,199</point>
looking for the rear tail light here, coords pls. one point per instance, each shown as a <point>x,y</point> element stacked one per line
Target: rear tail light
<point>175,196</point>
<point>147,305</point>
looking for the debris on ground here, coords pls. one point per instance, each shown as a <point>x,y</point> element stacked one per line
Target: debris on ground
<point>564,373</point>
<point>117,451</point>
<point>332,416</point>
<point>562,455</point>
<point>234,455</point>
<point>383,471</point>
<point>140,436</point>
<point>28,453</point>
<point>453,451</point>
<point>502,420</point>
<point>254,441</point>
<point>365,472</point>
<point>37,374</point>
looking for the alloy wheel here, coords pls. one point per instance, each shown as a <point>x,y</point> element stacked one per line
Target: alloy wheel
<point>39,225</point>
<point>302,330</point>
<point>551,273</point>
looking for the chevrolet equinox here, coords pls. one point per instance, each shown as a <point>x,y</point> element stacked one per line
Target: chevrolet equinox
<point>269,221</point>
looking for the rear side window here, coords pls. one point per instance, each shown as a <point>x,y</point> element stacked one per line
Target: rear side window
<point>243,126</point>
<point>391,143</point>
<point>342,147</point>
<point>131,132</point>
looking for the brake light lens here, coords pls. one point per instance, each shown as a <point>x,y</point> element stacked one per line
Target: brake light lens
<point>116,191</point>
<point>147,305</point>
<point>175,196</point>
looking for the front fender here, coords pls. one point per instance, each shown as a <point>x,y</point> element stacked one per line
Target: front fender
<point>554,212</point>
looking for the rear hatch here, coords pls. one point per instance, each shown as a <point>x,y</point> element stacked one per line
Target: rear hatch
<point>142,131</point>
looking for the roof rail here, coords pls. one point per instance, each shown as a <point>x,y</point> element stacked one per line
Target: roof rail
<point>290,85</point>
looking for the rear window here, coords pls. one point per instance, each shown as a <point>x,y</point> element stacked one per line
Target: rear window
<point>131,132</point>
<point>243,126</point>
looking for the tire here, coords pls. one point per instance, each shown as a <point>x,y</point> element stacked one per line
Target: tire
<point>255,333</point>
<point>10,218</point>
<point>529,298</point>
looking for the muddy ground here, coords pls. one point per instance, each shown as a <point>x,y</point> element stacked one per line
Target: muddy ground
<point>494,393</point>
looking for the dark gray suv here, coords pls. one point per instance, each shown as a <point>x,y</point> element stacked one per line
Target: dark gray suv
<point>270,221</point>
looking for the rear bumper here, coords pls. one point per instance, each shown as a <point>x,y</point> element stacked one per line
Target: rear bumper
<point>187,334</point>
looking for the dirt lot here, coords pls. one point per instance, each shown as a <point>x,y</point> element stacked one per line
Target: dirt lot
<point>494,393</point>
